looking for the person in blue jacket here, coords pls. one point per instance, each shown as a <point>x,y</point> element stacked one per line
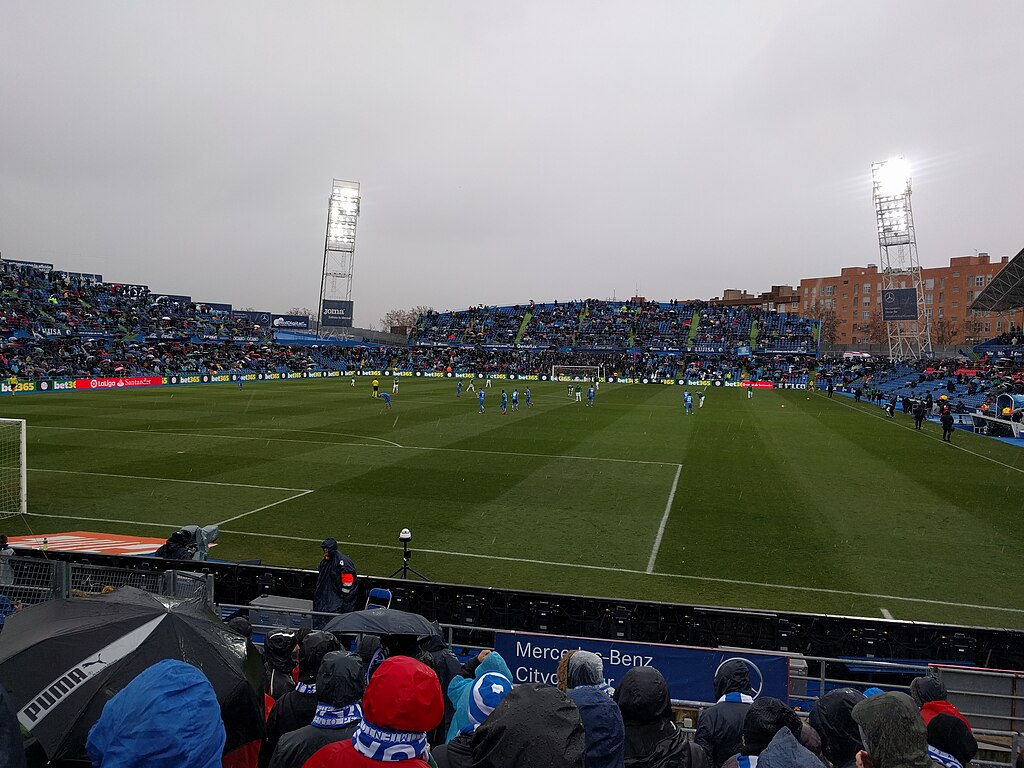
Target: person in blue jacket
<point>460,688</point>
<point>167,717</point>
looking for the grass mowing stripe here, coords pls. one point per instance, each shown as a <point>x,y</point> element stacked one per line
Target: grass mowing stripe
<point>605,568</point>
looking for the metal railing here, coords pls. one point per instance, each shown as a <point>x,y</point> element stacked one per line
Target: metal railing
<point>36,580</point>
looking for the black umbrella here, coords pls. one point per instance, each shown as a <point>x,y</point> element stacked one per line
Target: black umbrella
<point>382,621</point>
<point>62,660</point>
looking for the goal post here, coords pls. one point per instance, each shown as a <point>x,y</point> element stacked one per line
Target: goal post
<point>13,468</point>
<point>577,372</point>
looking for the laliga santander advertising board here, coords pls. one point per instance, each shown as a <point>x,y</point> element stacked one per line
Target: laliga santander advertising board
<point>110,383</point>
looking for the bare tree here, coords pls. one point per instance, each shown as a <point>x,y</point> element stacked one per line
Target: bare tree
<point>403,318</point>
<point>945,331</point>
<point>303,311</point>
<point>825,315</point>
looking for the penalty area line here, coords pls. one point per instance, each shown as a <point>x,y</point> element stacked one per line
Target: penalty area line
<point>664,520</point>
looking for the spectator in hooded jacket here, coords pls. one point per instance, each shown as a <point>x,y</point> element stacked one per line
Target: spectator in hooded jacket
<point>931,697</point>
<point>336,590</point>
<point>402,702</point>
<point>485,694</point>
<point>893,733</point>
<point>535,726</point>
<point>339,689</point>
<point>832,718</point>
<point>278,664</point>
<point>296,708</point>
<point>167,717</point>
<point>652,738</point>
<point>950,741</point>
<point>785,751</point>
<point>602,719</point>
<point>459,688</point>
<point>720,726</point>
<point>765,718</point>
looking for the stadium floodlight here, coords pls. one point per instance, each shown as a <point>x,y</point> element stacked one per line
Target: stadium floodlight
<point>909,330</point>
<point>891,178</point>
<point>335,306</point>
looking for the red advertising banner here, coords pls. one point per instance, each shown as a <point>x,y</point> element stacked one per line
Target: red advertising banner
<point>758,384</point>
<point>133,381</point>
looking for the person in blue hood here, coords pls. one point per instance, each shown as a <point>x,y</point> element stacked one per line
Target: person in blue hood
<point>459,689</point>
<point>167,717</point>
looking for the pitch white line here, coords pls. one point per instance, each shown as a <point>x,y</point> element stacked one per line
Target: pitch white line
<point>300,431</point>
<point>167,479</point>
<point>929,436</point>
<point>265,506</point>
<point>576,566</point>
<point>886,614</point>
<point>664,520</point>
<point>364,445</point>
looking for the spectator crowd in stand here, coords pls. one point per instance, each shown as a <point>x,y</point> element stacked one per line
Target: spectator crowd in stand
<point>392,702</point>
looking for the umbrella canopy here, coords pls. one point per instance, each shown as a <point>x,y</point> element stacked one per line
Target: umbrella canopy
<point>62,660</point>
<point>382,621</point>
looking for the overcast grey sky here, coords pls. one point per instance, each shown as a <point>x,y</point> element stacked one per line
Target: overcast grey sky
<point>507,151</point>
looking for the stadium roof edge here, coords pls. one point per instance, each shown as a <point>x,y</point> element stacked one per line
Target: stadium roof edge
<point>1006,291</point>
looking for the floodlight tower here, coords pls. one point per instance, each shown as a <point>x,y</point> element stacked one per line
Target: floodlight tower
<point>897,245</point>
<point>339,255</point>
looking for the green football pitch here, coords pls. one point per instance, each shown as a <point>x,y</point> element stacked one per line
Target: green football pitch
<point>786,501</point>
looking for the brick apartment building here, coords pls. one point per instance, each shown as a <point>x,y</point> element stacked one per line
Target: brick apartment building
<point>850,304</point>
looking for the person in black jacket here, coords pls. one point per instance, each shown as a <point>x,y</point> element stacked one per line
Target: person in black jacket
<point>339,688</point>
<point>720,727</point>
<point>832,718</point>
<point>278,664</point>
<point>947,425</point>
<point>336,590</point>
<point>652,738</point>
<point>296,708</point>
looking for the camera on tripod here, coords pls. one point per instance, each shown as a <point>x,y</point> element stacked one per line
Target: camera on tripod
<point>405,536</point>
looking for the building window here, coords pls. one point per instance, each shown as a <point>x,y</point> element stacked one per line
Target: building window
<point>999,327</point>
<point>928,314</point>
<point>970,296</point>
<point>988,327</point>
<point>956,289</point>
<point>867,287</point>
<point>956,304</point>
<point>979,279</point>
<point>942,282</point>
<point>867,301</point>
<point>929,284</point>
<point>865,315</point>
<point>928,298</point>
<point>941,298</point>
<point>956,274</point>
<point>830,290</point>
<point>988,278</point>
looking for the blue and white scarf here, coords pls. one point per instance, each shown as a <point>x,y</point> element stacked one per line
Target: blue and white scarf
<point>387,745</point>
<point>305,687</point>
<point>944,758</point>
<point>747,761</point>
<point>737,697</point>
<point>336,717</point>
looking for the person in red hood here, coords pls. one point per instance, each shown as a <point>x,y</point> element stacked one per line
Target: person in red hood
<point>929,693</point>
<point>401,703</point>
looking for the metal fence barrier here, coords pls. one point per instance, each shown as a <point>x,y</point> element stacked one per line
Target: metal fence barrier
<point>36,580</point>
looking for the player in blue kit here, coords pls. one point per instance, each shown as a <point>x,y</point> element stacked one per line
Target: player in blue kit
<point>480,395</point>
<point>515,399</point>
<point>458,389</point>
<point>529,404</point>
<point>590,396</point>
<point>504,402</point>
<point>688,402</point>
<point>387,400</point>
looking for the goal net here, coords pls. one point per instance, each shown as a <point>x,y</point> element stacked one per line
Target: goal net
<point>577,372</point>
<point>13,486</point>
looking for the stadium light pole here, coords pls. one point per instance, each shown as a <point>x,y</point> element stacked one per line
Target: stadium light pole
<point>897,246</point>
<point>339,253</point>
